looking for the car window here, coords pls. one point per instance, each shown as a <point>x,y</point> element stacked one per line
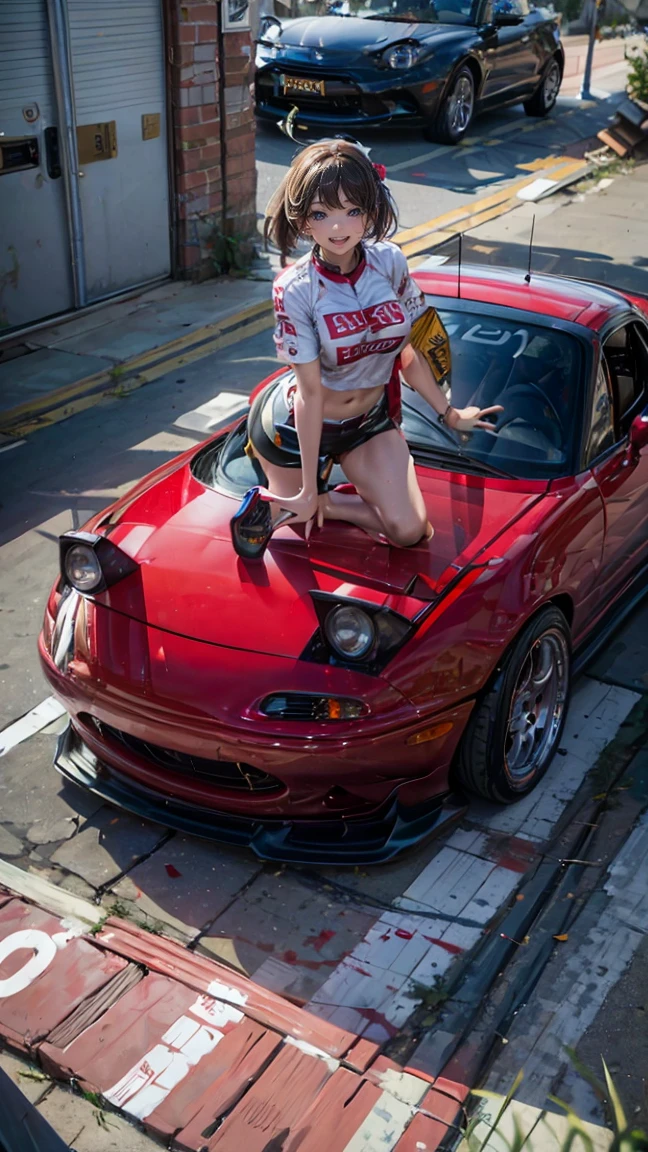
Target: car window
<point>534,372</point>
<point>421,11</point>
<point>625,353</point>
<point>510,8</point>
<point>601,431</point>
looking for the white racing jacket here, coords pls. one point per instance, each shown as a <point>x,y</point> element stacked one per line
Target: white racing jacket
<point>355,324</point>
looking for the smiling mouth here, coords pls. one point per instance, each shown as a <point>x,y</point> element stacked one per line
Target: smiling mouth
<point>344,241</point>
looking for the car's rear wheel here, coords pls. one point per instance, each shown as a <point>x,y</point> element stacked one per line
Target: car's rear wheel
<point>455,115</point>
<point>546,93</point>
<point>516,727</point>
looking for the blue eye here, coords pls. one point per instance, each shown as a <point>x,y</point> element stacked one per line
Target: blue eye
<point>355,212</point>
<point>318,215</point>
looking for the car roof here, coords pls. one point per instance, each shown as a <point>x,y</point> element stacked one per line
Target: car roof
<point>556,297</point>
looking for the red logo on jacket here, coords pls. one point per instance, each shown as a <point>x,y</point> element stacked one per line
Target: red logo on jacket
<point>375,318</point>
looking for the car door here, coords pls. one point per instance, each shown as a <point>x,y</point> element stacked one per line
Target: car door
<point>511,62</point>
<point>621,471</point>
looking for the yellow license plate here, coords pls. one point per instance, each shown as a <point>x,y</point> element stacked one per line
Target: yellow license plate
<point>293,85</point>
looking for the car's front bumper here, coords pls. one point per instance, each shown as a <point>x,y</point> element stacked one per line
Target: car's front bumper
<point>371,839</point>
<point>348,99</point>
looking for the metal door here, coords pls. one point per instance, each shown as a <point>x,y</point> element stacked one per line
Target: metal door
<point>35,275</point>
<point>117,53</point>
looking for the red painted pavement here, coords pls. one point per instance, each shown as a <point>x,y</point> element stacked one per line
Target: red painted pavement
<point>204,1058</point>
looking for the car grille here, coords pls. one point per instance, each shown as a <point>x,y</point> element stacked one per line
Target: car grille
<point>228,774</point>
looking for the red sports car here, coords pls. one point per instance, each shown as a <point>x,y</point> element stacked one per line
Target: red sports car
<point>323,703</point>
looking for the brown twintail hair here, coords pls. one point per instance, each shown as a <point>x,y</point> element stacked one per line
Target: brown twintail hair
<point>325,170</point>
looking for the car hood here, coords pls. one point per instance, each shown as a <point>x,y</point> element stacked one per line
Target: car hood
<point>308,38</point>
<point>190,582</point>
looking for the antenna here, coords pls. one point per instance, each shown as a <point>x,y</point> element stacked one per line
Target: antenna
<point>459,268</point>
<point>527,278</point>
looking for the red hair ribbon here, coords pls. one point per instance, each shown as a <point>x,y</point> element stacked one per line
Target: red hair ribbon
<point>381,170</point>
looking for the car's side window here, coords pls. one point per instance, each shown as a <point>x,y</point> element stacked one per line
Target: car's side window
<point>510,8</point>
<point>601,433</point>
<point>625,353</point>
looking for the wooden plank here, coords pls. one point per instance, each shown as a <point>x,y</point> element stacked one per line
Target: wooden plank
<point>361,1054</point>
<point>335,1116</point>
<point>48,896</point>
<point>207,976</point>
<point>440,1112</point>
<point>276,1104</point>
<point>214,1086</point>
<point>611,141</point>
<point>47,970</point>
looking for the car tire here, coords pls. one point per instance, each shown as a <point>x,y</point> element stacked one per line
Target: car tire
<point>507,748</point>
<point>457,109</point>
<point>546,93</point>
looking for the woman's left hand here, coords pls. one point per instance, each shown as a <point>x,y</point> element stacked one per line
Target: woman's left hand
<point>467,419</point>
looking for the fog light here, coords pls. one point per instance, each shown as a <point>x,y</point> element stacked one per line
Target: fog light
<point>303,706</point>
<point>82,568</point>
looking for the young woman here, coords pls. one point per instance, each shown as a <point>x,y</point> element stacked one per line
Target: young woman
<point>344,316</point>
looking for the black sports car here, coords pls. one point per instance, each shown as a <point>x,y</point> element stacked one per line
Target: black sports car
<point>437,62</point>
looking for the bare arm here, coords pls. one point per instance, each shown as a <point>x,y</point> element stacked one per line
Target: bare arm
<point>418,375</point>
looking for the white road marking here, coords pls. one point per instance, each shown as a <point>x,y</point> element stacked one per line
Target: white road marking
<point>372,991</point>
<point>222,408</point>
<point>14,444</point>
<point>39,717</point>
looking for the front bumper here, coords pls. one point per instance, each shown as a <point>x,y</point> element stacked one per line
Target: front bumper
<point>347,100</point>
<point>372,839</point>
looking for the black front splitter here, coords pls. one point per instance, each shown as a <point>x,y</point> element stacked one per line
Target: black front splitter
<point>352,841</point>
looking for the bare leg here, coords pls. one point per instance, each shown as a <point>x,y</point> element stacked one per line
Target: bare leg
<point>383,474</point>
<point>335,505</point>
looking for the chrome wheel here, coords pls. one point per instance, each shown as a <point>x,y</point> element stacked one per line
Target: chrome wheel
<point>551,86</point>
<point>537,706</point>
<point>460,104</point>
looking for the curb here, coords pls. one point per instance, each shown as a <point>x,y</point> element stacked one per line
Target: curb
<point>134,373</point>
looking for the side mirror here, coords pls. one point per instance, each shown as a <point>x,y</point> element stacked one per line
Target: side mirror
<point>639,434</point>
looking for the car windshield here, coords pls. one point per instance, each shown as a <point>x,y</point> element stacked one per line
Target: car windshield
<point>534,372</point>
<point>420,11</point>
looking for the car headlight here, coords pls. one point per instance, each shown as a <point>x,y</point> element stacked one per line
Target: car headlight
<point>350,632</point>
<point>91,563</point>
<point>82,568</point>
<point>402,55</point>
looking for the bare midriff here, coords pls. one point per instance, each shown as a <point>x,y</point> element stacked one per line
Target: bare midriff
<point>345,405</point>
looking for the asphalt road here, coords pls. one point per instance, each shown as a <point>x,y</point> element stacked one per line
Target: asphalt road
<point>428,180</point>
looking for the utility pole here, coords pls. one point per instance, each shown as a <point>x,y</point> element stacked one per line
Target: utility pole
<point>586,92</point>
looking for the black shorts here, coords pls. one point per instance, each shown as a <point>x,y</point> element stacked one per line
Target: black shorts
<point>272,432</point>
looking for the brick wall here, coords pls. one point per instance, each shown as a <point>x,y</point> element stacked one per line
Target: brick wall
<point>208,200</point>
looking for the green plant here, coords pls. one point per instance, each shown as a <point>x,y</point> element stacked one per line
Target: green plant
<point>507,1130</point>
<point>637,82</point>
<point>230,254</point>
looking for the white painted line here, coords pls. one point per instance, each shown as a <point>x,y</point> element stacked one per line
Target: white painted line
<point>216,411</point>
<point>15,444</point>
<point>39,717</point>
<point>49,896</point>
<point>537,189</point>
<point>388,1119</point>
<point>370,990</point>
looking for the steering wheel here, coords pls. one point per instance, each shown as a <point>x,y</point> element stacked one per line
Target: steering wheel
<point>539,397</point>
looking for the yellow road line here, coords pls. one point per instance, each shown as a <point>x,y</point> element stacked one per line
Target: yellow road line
<point>69,401</point>
<point>422,236</point>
